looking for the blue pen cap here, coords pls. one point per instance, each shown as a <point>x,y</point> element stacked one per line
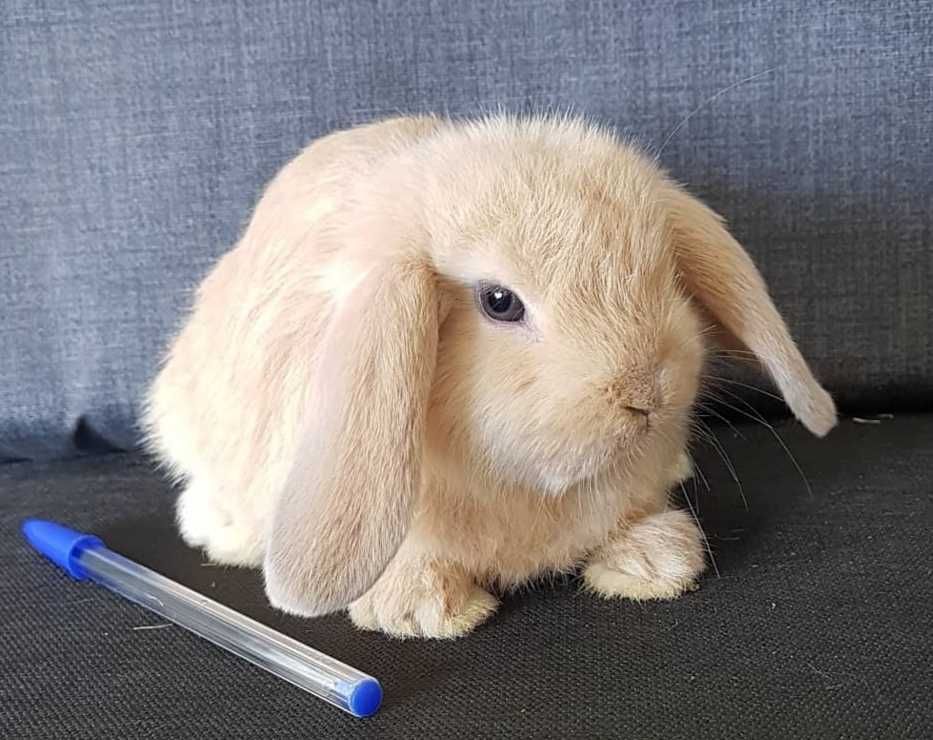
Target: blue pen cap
<point>365,698</point>
<point>59,544</point>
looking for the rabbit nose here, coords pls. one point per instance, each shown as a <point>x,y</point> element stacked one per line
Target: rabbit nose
<point>637,395</point>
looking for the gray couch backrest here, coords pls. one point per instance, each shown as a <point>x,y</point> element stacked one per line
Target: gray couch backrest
<point>136,136</point>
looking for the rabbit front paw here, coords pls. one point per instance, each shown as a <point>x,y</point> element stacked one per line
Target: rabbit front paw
<point>204,524</point>
<point>658,557</point>
<point>423,599</point>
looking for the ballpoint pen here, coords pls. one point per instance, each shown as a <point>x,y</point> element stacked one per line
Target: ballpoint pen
<point>85,556</point>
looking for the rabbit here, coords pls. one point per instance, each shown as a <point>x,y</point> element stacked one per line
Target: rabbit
<point>448,357</point>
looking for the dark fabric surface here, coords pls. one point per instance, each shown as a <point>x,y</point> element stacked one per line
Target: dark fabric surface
<point>135,136</point>
<point>818,626</point>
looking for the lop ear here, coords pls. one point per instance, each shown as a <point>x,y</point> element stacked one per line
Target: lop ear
<point>723,278</point>
<point>348,501</point>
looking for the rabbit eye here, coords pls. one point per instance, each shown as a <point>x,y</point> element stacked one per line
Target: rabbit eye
<point>499,303</point>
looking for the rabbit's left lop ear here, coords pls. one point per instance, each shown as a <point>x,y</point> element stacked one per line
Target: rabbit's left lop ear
<point>722,277</point>
<point>349,499</point>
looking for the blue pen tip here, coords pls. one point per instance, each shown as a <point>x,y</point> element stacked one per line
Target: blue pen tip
<point>59,544</point>
<point>365,697</point>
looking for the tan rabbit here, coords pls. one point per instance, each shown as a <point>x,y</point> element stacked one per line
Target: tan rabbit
<point>447,356</point>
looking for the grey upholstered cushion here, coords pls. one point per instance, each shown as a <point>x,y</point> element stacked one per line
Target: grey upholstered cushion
<point>135,136</point>
<point>818,625</point>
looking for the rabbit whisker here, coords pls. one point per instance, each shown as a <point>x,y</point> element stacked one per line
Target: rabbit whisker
<point>755,416</point>
<point>707,434</point>
<point>720,379</point>
<point>708,101</point>
<point>709,550</point>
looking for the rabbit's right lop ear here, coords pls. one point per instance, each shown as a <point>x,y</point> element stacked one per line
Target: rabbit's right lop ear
<point>350,496</point>
<point>722,277</point>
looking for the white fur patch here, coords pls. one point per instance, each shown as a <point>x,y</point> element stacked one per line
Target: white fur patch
<point>319,209</point>
<point>339,278</point>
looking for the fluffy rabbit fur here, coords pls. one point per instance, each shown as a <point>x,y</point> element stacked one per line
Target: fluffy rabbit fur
<point>342,412</point>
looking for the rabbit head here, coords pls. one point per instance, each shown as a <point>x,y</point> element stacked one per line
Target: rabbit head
<point>526,302</point>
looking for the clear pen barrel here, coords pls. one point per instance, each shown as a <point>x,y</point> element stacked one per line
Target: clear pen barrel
<point>345,687</point>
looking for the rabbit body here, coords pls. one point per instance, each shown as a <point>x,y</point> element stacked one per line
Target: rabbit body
<point>339,410</point>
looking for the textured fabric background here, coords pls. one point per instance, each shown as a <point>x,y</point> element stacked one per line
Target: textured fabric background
<point>135,137</point>
<point>818,626</point>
